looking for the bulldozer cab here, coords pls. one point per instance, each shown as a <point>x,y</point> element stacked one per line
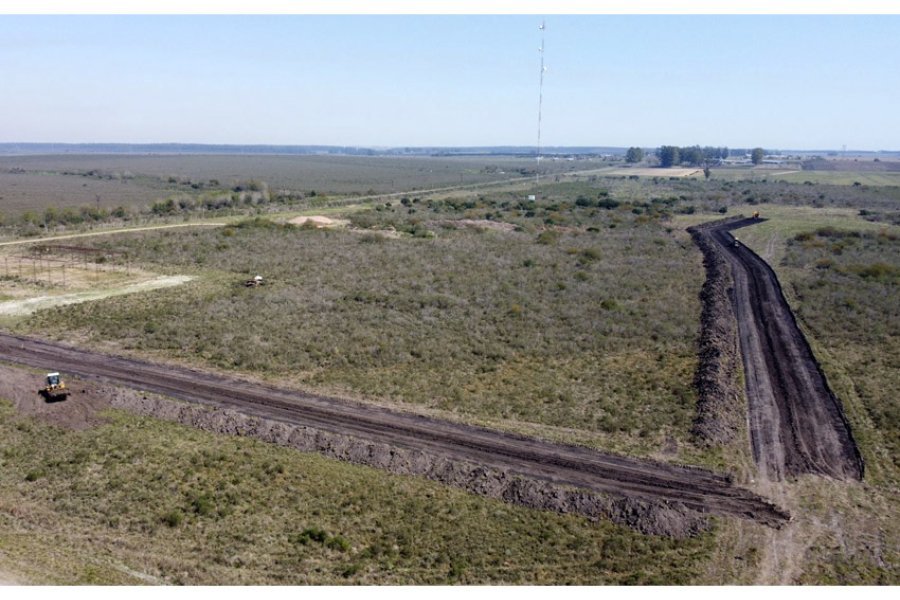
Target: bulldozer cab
<point>52,379</point>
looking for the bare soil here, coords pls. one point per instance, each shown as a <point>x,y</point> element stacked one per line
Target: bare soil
<point>658,172</point>
<point>797,424</point>
<point>319,221</point>
<point>81,411</point>
<point>652,497</point>
<point>473,224</point>
<point>27,306</point>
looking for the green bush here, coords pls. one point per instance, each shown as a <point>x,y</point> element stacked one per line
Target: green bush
<point>173,518</point>
<point>548,237</point>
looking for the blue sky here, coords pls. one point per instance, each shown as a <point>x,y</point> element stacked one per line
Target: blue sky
<point>799,82</point>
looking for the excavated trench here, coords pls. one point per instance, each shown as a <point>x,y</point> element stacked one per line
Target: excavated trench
<point>652,497</point>
<point>797,424</point>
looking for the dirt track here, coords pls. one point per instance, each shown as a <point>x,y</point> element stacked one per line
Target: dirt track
<point>797,425</point>
<point>617,476</point>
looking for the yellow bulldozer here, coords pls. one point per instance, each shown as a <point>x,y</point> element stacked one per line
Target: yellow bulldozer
<point>55,390</point>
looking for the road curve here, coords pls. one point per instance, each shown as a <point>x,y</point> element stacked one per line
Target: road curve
<point>797,424</point>
<point>568,465</point>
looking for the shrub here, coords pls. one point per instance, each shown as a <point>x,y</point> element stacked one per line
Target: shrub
<point>173,518</point>
<point>337,543</point>
<point>203,505</point>
<point>877,270</point>
<point>311,534</point>
<point>548,237</point>
<point>607,203</point>
<point>609,304</point>
<point>35,474</point>
<point>590,254</point>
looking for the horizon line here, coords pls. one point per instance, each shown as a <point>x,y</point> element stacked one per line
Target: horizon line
<point>400,147</point>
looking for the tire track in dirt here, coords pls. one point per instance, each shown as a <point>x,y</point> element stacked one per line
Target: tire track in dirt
<point>617,476</point>
<point>797,424</point>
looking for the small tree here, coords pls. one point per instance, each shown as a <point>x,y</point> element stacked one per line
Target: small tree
<point>756,155</point>
<point>634,155</point>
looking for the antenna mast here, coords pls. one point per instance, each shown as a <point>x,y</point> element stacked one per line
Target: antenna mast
<point>537,177</point>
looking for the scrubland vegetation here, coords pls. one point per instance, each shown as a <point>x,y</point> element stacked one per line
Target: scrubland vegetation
<point>588,324</point>
<point>572,317</point>
<point>144,501</point>
<point>45,193</point>
<point>847,285</point>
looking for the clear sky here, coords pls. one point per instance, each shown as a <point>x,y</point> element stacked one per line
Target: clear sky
<point>797,82</point>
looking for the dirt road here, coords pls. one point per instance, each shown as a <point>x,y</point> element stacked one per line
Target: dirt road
<point>697,489</point>
<point>71,236</point>
<point>797,425</point>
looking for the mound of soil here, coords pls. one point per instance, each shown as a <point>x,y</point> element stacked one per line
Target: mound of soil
<point>651,517</point>
<point>720,406</point>
<point>318,221</point>
<point>466,456</point>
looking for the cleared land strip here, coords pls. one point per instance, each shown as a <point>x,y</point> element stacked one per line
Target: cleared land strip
<point>70,236</point>
<point>28,306</point>
<point>797,424</point>
<point>618,476</point>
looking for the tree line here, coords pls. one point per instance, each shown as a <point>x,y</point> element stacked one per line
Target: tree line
<point>694,156</point>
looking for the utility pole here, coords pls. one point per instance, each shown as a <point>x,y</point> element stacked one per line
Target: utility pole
<point>537,175</point>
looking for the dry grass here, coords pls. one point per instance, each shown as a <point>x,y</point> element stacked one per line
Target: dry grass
<point>588,327</point>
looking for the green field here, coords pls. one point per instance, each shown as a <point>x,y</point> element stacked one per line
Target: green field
<point>843,178</point>
<point>32,183</point>
<point>138,501</point>
<point>794,174</point>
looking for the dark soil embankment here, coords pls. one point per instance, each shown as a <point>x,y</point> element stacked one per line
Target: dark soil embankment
<point>89,398</point>
<point>720,406</point>
<point>797,424</point>
<point>633,491</point>
<point>659,518</point>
